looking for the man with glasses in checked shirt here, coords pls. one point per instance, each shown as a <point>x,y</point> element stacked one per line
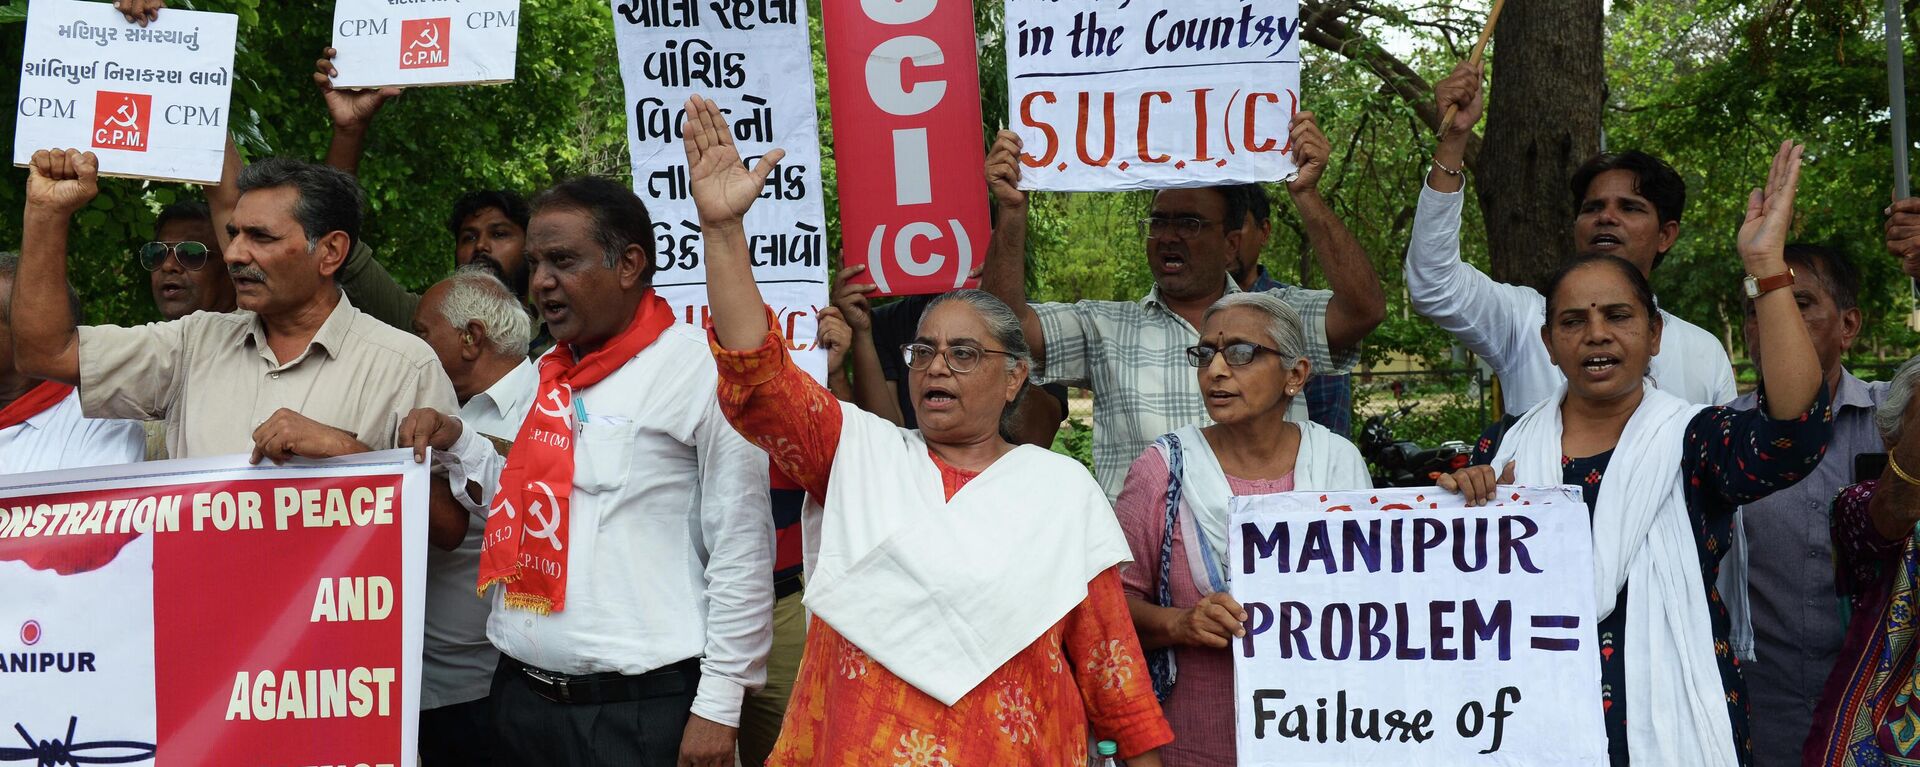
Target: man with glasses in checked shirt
<point>1132,353</point>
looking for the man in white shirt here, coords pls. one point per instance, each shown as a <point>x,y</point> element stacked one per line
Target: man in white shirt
<point>632,622</point>
<point>41,427</point>
<point>480,331</point>
<point>1629,206</point>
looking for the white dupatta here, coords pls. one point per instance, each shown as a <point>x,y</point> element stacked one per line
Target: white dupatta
<point>1324,462</point>
<point>944,592</point>
<point>1642,535</point>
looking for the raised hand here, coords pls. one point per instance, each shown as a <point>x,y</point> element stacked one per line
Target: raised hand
<point>349,109</point>
<point>1763,236</point>
<point>1461,89</point>
<point>837,339</point>
<point>851,299</point>
<point>1003,170</point>
<point>723,188</point>
<point>139,11</point>
<point>1310,150</point>
<point>62,181</point>
<point>1903,234</point>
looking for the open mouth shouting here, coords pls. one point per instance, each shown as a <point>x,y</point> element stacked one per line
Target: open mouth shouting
<point>938,398</point>
<point>1600,365</point>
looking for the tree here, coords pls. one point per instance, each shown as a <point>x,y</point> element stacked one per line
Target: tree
<point>1550,64</point>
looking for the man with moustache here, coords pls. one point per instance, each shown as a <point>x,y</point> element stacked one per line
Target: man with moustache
<point>184,264</point>
<point>1628,205</point>
<point>295,371</point>
<point>635,613</point>
<point>1130,353</point>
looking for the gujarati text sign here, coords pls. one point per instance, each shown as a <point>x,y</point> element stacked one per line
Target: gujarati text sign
<point>152,102</point>
<point>424,42</point>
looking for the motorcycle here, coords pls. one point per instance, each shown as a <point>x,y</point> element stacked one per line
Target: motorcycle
<point>1402,463</point>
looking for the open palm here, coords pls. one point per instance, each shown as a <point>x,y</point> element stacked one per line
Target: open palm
<point>723,188</point>
<point>1770,208</point>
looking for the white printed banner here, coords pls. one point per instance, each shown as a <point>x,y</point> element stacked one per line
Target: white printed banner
<point>1401,627</point>
<point>752,58</point>
<point>424,42</point>
<point>1152,94</point>
<point>151,102</point>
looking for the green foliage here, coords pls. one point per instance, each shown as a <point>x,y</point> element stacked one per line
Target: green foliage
<point>1076,440</point>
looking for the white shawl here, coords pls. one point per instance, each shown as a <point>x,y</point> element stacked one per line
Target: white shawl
<point>1642,535</point>
<point>944,592</point>
<point>1324,462</point>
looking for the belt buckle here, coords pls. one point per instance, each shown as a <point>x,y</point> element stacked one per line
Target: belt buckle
<point>555,684</point>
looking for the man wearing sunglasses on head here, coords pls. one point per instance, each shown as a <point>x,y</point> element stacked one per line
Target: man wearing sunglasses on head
<point>184,265</point>
<point>1130,352</point>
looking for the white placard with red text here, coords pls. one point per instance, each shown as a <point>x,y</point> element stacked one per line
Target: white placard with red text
<point>1152,94</point>
<point>424,42</point>
<point>751,57</point>
<point>1398,626</point>
<point>205,611</point>
<point>151,102</point>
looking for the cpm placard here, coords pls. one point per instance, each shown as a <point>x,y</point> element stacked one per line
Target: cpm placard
<point>1400,627</point>
<point>1152,94</point>
<point>752,58</point>
<point>205,611</point>
<point>905,85</point>
<point>152,102</point>
<point>424,42</point>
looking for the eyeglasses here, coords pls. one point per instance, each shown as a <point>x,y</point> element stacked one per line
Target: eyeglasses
<point>192,255</point>
<point>1182,227</point>
<point>960,358</point>
<point>1237,354</point>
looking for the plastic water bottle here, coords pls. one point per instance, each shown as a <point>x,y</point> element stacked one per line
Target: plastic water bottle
<point>1106,749</point>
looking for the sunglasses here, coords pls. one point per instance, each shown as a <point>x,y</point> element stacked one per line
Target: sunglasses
<point>192,255</point>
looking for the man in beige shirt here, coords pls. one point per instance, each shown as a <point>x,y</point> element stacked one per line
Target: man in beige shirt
<point>296,371</point>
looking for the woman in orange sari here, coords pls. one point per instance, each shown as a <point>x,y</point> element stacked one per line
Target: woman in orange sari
<point>965,593</point>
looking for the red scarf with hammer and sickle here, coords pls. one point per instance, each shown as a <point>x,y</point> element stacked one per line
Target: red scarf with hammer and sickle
<point>525,547</point>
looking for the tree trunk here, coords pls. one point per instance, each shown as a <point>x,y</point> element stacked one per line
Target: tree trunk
<point>1543,121</point>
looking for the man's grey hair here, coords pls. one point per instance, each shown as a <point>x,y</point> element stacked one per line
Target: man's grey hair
<point>330,199</point>
<point>1899,394</point>
<point>1284,327</point>
<point>474,294</point>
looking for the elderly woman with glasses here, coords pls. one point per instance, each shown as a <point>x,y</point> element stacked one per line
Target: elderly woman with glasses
<point>1251,360</point>
<point>965,593</point>
<point>1868,714</point>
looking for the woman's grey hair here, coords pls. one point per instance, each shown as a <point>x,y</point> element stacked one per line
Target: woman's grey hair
<point>1899,393</point>
<point>1284,327</point>
<point>1004,326</point>
<point>474,294</point>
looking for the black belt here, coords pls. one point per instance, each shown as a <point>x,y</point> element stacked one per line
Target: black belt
<point>610,687</point>
<point>788,586</point>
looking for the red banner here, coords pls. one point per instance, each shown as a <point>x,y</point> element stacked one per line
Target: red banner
<point>207,612</point>
<point>905,86</point>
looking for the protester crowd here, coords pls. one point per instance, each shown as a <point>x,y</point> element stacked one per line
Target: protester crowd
<point>689,551</point>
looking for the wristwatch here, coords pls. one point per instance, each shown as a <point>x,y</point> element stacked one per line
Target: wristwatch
<point>1757,286</point>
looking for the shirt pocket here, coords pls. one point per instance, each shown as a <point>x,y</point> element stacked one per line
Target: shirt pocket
<point>602,456</point>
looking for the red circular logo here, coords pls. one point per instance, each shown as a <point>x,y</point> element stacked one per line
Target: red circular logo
<point>30,632</point>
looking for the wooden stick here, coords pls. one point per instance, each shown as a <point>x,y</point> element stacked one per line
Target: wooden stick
<point>1479,51</point>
